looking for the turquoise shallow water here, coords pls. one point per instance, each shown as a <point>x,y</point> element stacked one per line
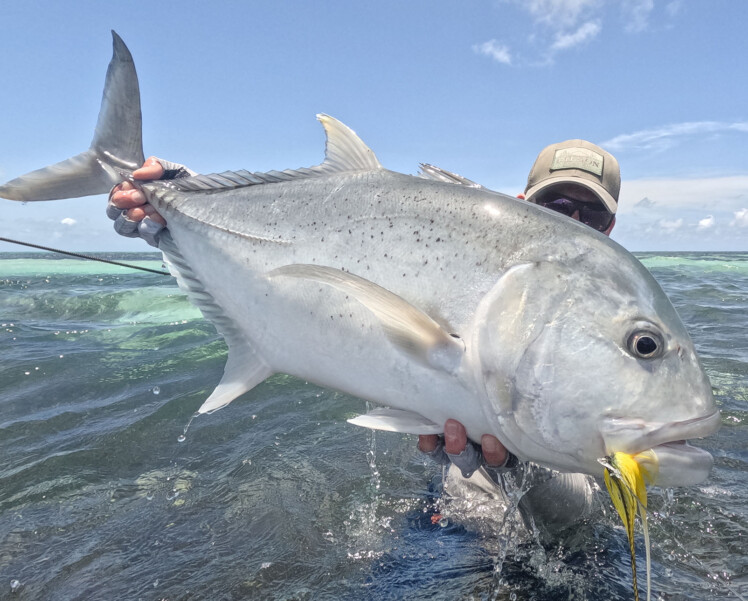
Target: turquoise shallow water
<point>276,497</point>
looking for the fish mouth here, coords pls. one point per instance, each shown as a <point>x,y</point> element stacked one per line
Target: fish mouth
<point>679,463</point>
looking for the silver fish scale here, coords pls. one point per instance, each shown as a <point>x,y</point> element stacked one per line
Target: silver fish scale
<point>424,240</point>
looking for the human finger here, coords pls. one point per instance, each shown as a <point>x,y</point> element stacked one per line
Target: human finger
<point>455,437</point>
<point>494,453</point>
<point>136,214</point>
<point>151,169</point>
<point>465,455</point>
<point>127,199</point>
<point>426,442</point>
<point>153,214</point>
<point>149,230</point>
<point>126,227</point>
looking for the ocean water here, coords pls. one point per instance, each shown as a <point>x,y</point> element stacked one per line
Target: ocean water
<point>103,496</point>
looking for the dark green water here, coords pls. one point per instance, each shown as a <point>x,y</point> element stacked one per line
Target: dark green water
<point>276,496</point>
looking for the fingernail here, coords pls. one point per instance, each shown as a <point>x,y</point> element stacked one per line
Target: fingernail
<point>451,427</point>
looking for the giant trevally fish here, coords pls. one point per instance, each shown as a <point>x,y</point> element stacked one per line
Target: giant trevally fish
<point>428,295</point>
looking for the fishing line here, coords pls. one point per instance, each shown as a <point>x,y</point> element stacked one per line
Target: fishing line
<point>80,256</point>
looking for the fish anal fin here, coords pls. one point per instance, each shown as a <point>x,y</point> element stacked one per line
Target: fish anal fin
<point>243,371</point>
<point>407,327</point>
<point>396,420</point>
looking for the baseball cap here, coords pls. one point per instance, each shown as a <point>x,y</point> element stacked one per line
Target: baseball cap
<point>580,163</point>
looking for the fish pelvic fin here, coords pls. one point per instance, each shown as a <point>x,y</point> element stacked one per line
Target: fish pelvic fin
<point>117,143</point>
<point>407,327</point>
<point>396,420</point>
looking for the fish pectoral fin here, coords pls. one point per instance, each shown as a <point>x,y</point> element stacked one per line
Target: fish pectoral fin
<point>243,371</point>
<point>408,328</point>
<point>396,420</point>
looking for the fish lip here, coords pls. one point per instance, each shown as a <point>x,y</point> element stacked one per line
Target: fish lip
<point>677,462</point>
<point>680,464</point>
<point>636,436</point>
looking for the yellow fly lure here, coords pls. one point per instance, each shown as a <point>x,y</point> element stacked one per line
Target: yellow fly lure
<point>626,477</point>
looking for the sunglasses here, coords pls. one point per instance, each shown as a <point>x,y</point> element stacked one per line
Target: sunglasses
<point>591,214</point>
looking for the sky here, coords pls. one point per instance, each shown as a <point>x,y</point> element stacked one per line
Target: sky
<point>478,88</point>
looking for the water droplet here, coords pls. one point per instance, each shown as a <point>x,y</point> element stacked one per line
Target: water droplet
<point>183,436</point>
<point>15,586</point>
<point>444,522</point>
<point>156,390</point>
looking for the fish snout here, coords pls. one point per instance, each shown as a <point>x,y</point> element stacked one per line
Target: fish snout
<point>678,463</point>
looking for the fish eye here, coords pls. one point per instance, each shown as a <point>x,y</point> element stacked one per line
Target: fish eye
<point>644,344</point>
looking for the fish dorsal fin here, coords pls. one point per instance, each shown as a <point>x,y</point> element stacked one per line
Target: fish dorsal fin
<point>344,151</point>
<point>407,327</point>
<point>442,175</point>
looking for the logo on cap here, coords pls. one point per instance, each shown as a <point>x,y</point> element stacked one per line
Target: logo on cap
<point>578,158</point>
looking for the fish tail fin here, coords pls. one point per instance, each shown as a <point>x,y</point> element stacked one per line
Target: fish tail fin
<point>116,148</point>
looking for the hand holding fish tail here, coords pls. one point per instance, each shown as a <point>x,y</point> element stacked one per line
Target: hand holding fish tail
<point>128,207</point>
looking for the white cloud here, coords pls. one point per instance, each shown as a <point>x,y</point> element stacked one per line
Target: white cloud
<point>559,13</point>
<point>559,25</point>
<point>741,218</point>
<point>68,221</point>
<point>584,33</point>
<point>636,14</point>
<point>718,194</point>
<point>661,138</point>
<point>670,226</point>
<point>658,214</point>
<point>674,7</point>
<point>493,49</point>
